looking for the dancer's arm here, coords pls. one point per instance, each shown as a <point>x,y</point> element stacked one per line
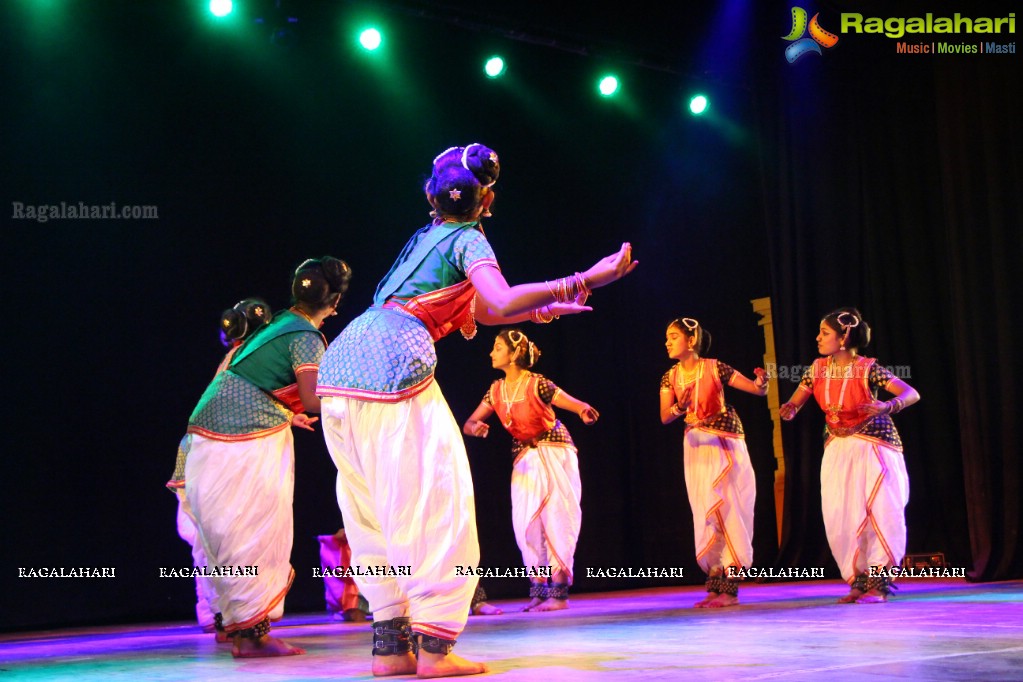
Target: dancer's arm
<point>798,399</point>
<point>584,410</point>
<point>476,424</point>
<point>756,387</point>
<point>905,395</point>
<point>507,304</point>
<point>483,314</point>
<point>672,409</point>
<point>307,391</point>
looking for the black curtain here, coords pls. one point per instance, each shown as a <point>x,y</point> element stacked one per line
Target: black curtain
<point>981,179</point>
<point>891,182</point>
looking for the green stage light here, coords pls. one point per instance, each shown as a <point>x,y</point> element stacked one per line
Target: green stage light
<point>608,86</point>
<point>370,39</point>
<point>698,104</point>
<point>221,8</point>
<point>494,67</point>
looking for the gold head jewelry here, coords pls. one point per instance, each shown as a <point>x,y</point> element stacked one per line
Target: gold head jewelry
<point>517,338</point>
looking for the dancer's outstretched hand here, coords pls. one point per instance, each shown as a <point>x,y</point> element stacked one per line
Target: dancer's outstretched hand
<point>304,421</point>
<point>476,428</point>
<point>573,308</point>
<point>612,268</point>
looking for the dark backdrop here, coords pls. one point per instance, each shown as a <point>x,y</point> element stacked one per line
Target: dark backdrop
<point>858,176</point>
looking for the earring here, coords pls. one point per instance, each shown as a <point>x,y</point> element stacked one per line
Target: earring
<point>842,347</point>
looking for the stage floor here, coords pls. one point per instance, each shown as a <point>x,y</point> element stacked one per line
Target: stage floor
<point>931,630</point>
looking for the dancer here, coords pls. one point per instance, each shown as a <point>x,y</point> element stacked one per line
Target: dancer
<point>239,475</point>
<point>545,483</point>
<point>864,485</point>
<point>342,594</point>
<point>479,606</point>
<point>404,485</point>
<point>719,476</point>
<point>236,325</point>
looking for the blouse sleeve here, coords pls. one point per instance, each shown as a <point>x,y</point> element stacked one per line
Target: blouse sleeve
<point>306,350</point>
<point>472,251</point>
<point>879,377</point>
<point>488,396</point>
<point>725,372</point>
<point>807,381</point>
<point>666,381</point>
<point>547,389</point>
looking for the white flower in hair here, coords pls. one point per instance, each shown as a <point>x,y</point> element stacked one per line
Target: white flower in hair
<point>455,194</point>
<point>306,282</point>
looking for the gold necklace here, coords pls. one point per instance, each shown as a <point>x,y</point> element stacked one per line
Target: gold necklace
<point>694,376</point>
<point>299,312</point>
<point>514,398</point>
<point>834,408</point>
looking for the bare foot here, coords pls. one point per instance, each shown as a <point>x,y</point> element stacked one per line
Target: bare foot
<point>485,609</point>
<point>702,604</point>
<point>398,664</point>
<point>450,665</point>
<point>551,604</point>
<point>872,597</point>
<point>264,647</point>
<point>221,637</point>
<point>721,601</point>
<point>535,601</point>
<point>850,598</point>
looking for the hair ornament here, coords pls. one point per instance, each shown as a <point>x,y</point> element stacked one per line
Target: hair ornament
<point>306,263</point>
<point>689,323</point>
<point>306,283</point>
<point>443,153</point>
<point>455,194</point>
<point>844,322</point>
<point>465,160</point>
<point>465,155</point>
<point>517,338</point>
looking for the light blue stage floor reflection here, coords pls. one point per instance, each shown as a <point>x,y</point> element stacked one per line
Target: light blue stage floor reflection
<point>931,630</point>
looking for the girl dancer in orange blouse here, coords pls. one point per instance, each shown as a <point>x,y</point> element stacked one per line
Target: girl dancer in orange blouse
<point>545,484</point>
<point>719,476</point>
<point>864,485</point>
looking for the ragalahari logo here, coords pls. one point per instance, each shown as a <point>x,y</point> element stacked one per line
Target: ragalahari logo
<point>800,45</point>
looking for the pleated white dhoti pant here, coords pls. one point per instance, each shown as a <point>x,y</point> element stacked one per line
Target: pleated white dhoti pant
<point>406,495</point>
<point>240,495</point>
<point>205,595</point>
<point>546,512</point>
<point>722,491</point>
<point>864,492</point>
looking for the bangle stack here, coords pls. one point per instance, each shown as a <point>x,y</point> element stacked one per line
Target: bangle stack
<point>895,405</point>
<point>567,289</point>
<point>542,315</point>
<point>675,411</point>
